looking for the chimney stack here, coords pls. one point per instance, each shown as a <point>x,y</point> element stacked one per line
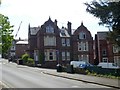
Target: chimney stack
<point>69,27</point>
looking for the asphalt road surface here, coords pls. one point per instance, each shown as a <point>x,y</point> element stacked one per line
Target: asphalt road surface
<point>18,76</point>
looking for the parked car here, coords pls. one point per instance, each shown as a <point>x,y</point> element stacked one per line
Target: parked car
<point>84,65</point>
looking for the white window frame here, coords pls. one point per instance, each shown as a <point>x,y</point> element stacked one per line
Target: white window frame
<point>63,42</point>
<point>117,61</point>
<point>63,55</point>
<point>68,55</point>
<point>116,49</point>
<point>47,55</point>
<point>68,42</point>
<point>49,41</point>
<point>104,60</point>
<point>104,52</point>
<point>82,46</point>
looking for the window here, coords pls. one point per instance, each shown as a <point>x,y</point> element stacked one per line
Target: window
<point>117,61</point>
<point>104,52</point>
<point>68,55</point>
<point>105,60</point>
<point>49,29</point>
<point>116,49</point>
<point>50,55</point>
<point>13,48</point>
<point>68,42</point>
<point>63,42</point>
<point>82,35</point>
<point>83,46</point>
<point>79,46</point>
<point>80,57</point>
<point>63,55</point>
<point>49,41</point>
<point>83,58</point>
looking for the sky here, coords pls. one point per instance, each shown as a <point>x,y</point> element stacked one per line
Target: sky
<point>36,12</point>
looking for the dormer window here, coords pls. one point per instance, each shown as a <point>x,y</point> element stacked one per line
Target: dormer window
<point>49,29</point>
<point>82,35</point>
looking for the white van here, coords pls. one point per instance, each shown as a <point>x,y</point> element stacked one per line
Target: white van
<point>107,65</point>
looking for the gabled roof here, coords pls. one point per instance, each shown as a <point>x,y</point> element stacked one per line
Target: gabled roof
<point>49,21</point>
<point>81,28</point>
<point>34,30</point>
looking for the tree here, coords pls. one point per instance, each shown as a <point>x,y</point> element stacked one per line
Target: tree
<point>5,34</point>
<point>109,15</point>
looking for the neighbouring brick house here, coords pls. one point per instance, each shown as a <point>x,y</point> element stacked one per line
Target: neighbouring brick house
<point>51,45</point>
<point>21,48</point>
<point>82,45</point>
<point>32,39</point>
<point>106,51</point>
<point>18,48</point>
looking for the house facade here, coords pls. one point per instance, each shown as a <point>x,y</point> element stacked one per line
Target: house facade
<point>21,48</point>
<point>106,51</point>
<point>51,45</point>
<point>82,45</point>
<point>18,48</point>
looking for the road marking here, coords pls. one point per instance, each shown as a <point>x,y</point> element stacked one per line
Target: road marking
<point>75,86</point>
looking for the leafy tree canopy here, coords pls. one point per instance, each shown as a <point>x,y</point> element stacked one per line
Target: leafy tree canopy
<point>5,34</point>
<point>109,15</point>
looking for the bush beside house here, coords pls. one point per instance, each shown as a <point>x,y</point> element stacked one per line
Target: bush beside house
<point>27,60</point>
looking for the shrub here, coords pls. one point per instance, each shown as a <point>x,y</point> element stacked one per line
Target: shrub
<point>25,58</point>
<point>30,62</point>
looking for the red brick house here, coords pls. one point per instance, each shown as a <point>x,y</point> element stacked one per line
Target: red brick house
<point>32,39</point>
<point>52,45</point>
<point>82,45</point>
<point>106,51</point>
<point>20,48</point>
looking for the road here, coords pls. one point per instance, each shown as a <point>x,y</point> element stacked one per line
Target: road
<point>18,76</point>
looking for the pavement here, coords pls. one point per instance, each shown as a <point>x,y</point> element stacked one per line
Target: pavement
<point>114,83</point>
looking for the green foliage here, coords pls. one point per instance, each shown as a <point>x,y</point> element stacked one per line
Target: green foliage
<point>5,34</point>
<point>30,62</point>
<point>109,15</point>
<point>25,58</point>
<point>102,75</point>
